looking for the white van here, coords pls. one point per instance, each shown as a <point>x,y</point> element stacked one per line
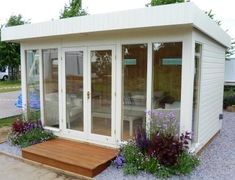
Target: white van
<point>3,73</point>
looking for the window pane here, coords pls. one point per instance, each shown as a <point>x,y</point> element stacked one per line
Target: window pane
<point>167,66</point>
<point>74,89</point>
<point>134,70</point>
<point>33,95</point>
<point>50,85</point>
<point>196,94</point>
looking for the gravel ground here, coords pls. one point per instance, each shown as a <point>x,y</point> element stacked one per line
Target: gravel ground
<point>217,160</point>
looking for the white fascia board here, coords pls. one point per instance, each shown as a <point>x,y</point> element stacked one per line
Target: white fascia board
<point>159,16</point>
<point>205,24</point>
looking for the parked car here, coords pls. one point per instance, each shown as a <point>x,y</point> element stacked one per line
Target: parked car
<point>4,73</point>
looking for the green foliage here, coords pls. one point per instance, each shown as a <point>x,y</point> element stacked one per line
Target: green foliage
<point>229,96</point>
<point>163,2</point>
<point>186,163</point>
<point>73,9</point>
<point>229,91</point>
<point>34,136</point>
<point>9,51</point>
<point>16,20</point>
<point>212,16</point>
<point>132,154</point>
<point>136,161</point>
<point>130,169</point>
<point>163,153</point>
<point>230,51</point>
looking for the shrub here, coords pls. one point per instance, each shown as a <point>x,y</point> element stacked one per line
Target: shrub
<point>228,101</point>
<point>33,136</point>
<point>21,127</point>
<point>28,133</point>
<point>163,153</point>
<point>186,163</point>
<point>141,140</point>
<point>136,161</point>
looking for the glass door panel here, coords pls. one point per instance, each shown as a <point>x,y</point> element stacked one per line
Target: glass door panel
<point>101,91</point>
<point>74,90</point>
<point>50,87</point>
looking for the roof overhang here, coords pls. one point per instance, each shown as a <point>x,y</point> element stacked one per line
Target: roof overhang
<point>152,17</point>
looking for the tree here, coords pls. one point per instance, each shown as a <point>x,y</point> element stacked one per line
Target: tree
<point>212,16</point>
<point>230,51</point>
<point>73,9</point>
<point>163,2</point>
<point>9,51</point>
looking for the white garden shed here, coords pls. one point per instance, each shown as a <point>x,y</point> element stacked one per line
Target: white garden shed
<point>97,75</point>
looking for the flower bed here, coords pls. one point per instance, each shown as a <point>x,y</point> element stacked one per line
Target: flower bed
<point>162,152</point>
<point>26,133</point>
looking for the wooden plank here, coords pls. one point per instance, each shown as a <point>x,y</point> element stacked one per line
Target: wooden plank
<point>86,159</point>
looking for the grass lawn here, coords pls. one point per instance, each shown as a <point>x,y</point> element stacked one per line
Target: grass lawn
<point>7,86</point>
<point>5,127</point>
<point>7,122</point>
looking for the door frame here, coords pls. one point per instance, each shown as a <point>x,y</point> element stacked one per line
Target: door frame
<point>86,135</point>
<point>98,137</point>
<point>70,132</point>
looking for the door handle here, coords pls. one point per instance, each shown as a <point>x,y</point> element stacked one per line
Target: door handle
<point>88,94</point>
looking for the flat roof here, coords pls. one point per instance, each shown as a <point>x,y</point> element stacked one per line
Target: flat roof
<point>148,17</point>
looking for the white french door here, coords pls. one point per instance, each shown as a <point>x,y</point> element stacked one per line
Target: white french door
<point>88,93</point>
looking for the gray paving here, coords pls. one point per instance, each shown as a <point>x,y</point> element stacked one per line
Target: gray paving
<point>7,104</point>
<point>14,169</point>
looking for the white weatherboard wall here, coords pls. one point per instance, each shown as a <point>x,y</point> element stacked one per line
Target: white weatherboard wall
<point>211,88</point>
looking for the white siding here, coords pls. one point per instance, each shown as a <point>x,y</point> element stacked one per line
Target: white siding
<point>211,88</point>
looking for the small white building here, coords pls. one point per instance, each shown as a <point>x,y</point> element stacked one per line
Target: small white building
<point>97,75</point>
<point>229,75</point>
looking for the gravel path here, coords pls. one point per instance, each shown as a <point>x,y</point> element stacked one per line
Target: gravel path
<point>217,160</point>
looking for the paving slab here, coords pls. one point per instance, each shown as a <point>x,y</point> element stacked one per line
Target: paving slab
<point>15,169</point>
<point>7,104</point>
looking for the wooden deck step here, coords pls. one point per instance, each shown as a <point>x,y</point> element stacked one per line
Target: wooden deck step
<point>77,157</point>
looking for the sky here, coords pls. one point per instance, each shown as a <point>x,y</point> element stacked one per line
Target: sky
<point>46,10</point>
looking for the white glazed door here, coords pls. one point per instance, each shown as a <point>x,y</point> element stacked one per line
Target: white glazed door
<point>101,94</point>
<point>89,93</point>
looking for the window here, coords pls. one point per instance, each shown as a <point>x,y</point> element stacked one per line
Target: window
<point>32,76</point>
<point>196,91</point>
<point>134,79</point>
<point>167,66</point>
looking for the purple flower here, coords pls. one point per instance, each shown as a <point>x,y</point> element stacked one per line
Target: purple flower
<point>171,116</point>
<point>119,161</point>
